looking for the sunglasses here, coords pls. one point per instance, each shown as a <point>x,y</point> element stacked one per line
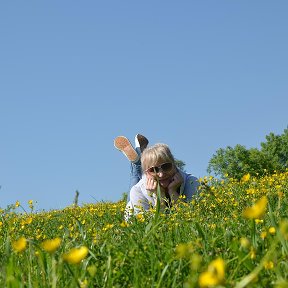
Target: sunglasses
<point>166,167</point>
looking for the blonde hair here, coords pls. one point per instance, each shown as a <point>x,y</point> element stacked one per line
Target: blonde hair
<point>156,153</point>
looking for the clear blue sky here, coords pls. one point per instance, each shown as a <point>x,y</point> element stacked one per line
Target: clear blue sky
<point>197,75</point>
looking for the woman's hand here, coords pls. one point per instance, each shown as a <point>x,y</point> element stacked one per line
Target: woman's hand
<point>176,182</point>
<point>151,185</point>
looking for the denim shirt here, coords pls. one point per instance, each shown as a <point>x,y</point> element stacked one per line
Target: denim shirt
<point>142,200</point>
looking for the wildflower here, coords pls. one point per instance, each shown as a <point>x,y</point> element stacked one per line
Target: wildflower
<point>252,253</point>
<point>245,178</point>
<point>268,265</point>
<point>140,217</point>
<point>52,245</point>
<point>124,224</point>
<point>76,255</point>
<point>263,235</point>
<point>250,191</point>
<point>244,242</point>
<point>28,220</point>
<point>183,250</point>
<point>280,194</point>
<point>195,262</point>
<point>214,275</point>
<point>257,210</point>
<point>281,283</point>
<point>284,229</point>
<point>17,204</point>
<point>92,270</point>
<point>19,245</point>
<point>259,221</point>
<point>107,227</point>
<point>272,230</point>
<point>84,283</point>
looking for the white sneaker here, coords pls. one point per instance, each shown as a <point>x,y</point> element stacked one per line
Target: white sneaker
<point>123,144</point>
<point>141,142</point>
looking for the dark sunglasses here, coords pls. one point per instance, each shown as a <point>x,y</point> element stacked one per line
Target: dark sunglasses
<point>166,167</point>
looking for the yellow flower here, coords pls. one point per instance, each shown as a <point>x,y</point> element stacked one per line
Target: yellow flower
<point>19,245</point>
<point>76,255</point>
<point>263,235</point>
<point>244,242</point>
<point>284,229</point>
<point>268,265</point>
<point>214,275</point>
<point>184,250</point>
<point>140,217</point>
<point>195,262</point>
<point>272,230</point>
<point>17,204</point>
<point>245,178</point>
<point>107,227</point>
<point>51,245</point>
<point>84,283</point>
<point>92,270</point>
<point>259,221</point>
<point>124,224</point>
<point>257,210</point>
<point>252,253</point>
<point>250,191</point>
<point>29,220</point>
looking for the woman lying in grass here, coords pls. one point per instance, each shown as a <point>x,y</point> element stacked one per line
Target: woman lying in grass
<point>155,166</point>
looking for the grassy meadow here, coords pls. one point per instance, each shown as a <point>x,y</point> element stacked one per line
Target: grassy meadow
<point>234,234</point>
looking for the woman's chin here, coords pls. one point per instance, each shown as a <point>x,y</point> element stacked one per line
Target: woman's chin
<point>165,183</point>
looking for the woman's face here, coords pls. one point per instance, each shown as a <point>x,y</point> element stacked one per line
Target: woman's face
<point>163,172</point>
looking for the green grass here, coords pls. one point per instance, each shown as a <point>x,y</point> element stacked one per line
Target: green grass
<point>170,250</point>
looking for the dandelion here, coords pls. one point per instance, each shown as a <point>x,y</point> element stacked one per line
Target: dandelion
<point>250,191</point>
<point>214,275</point>
<point>107,227</point>
<point>140,217</point>
<point>257,210</point>
<point>51,245</point>
<point>28,220</point>
<point>124,224</point>
<point>19,245</point>
<point>268,265</point>
<point>195,262</point>
<point>30,202</point>
<point>252,253</point>
<point>263,235</point>
<point>245,178</point>
<point>281,283</point>
<point>92,270</point>
<point>244,242</point>
<point>17,204</point>
<point>280,194</point>
<point>76,255</point>
<point>84,283</point>
<point>284,229</point>
<point>184,249</point>
<point>259,221</point>
<point>272,230</point>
